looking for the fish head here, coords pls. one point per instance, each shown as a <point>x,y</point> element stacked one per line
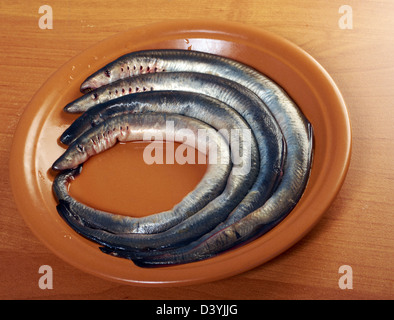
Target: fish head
<point>71,158</point>
<point>97,79</point>
<point>82,103</point>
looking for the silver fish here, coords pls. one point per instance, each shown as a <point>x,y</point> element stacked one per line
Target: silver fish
<point>295,127</point>
<point>132,128</point>
<point>270,142</point>
<point>216,210</point>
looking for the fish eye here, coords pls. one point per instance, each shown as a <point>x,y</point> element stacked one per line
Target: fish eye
<point>80,148</point>
<point>95,122</point>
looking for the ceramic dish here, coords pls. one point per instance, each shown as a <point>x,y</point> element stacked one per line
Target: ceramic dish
<point>36,146</point>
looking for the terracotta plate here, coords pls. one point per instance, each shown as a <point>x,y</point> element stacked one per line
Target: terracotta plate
<point>36,146</point>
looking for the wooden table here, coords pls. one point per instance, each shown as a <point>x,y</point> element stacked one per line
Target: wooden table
<point>356,231</point>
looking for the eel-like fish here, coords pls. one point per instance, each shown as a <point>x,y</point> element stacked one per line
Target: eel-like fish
<point>198,135</point>
<point>218,209</point>
<point>244,101</point>
<point>295,127</point>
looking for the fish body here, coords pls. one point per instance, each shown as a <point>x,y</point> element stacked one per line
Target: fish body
<point>239,226</point>
<point>296,129</point>
<point>215,211</point>
<point>133,127</point>
<point>263,125</point>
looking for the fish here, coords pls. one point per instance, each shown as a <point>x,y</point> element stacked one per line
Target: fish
<point>198,135</point>
<point>228,235</point>
<point>207,109</point>
<point>296,129</point>
<point>247,104</point>
<point>214,212</point>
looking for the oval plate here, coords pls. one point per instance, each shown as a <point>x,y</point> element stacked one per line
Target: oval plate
<point>35,146</point>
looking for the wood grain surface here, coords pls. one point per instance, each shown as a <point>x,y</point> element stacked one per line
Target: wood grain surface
<point>357,230</point>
